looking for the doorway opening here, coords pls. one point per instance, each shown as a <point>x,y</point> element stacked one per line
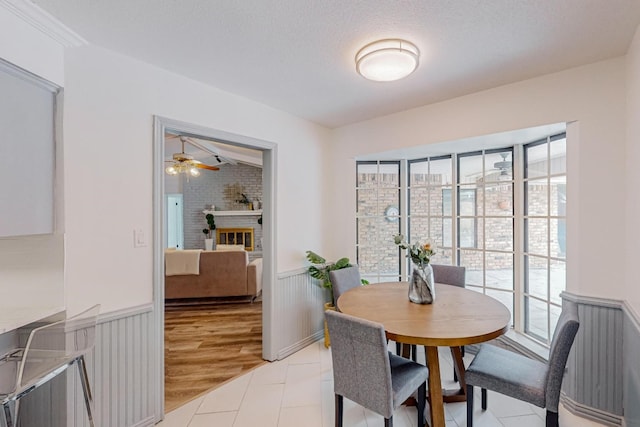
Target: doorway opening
<point>167,225</point>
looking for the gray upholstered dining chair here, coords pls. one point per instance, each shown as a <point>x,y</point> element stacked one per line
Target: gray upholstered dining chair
<point>525,379</point>
<point>344,279</point>
<point>365,372</point>
<point>449,275</point>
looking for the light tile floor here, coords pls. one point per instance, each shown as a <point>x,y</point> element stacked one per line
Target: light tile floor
<point>298,392</point>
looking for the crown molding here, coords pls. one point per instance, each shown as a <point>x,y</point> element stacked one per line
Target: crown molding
<point>44,22</point>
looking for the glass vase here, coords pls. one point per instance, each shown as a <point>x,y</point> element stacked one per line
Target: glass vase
<point>422,288</point>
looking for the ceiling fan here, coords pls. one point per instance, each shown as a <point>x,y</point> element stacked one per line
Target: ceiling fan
<point>185,163</point>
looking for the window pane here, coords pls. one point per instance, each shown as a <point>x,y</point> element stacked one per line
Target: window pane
<point>536,276</point>
<point>436,201</point>
<point>418,172</point>
<point>537,202</point>
<point>386,198</point>
<point>498,166</point>
<point>558,280</point>
<point>447,204</point>
<point>536,318</point>
<point>418,227</point>
<point>473,261</point>
<point>418,201</point>
<point>499,199</point>
<point>441,171</point>
<point>367,175</point>
<point>554,313</point>
<point>558,238</point>
<point>559,156</point>
<point>537,237</point>
<point>499,234</point>
<point>499,270</point>
<point>558,202</point>
<point>505,298</point>
<point>468,232</point>
<point>435,231</point>
<point>467,201</point>
<point>536,161</point>
<point>469,169</point>
<point>443,256</point>
<point>367,202</point>
<point>368,230</point>
<point>376,259</point>
<point>447,223</point>
<point>389,175</point>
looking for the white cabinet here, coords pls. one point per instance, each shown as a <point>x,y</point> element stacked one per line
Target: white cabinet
<point>27,152</point>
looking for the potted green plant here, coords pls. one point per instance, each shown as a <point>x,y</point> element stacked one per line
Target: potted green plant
<point>208,232</point>
<point>319,269</point>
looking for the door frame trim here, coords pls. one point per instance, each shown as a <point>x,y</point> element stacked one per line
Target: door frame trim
<point>269,167</point>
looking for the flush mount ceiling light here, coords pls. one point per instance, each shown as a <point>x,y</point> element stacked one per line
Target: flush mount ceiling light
<point>387,60</point>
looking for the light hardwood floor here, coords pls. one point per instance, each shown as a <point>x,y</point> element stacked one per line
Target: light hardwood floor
<point>208,345</point>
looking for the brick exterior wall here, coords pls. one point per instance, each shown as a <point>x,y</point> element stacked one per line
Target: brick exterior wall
<point>219,188</point>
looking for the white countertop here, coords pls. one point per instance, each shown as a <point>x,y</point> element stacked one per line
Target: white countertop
<point>12,318</point>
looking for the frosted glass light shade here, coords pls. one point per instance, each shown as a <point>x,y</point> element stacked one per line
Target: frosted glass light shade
<point>387,60</point>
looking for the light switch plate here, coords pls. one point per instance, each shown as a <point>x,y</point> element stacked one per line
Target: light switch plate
<point>139,240</point>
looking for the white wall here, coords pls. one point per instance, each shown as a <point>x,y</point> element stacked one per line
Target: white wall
<point>633,173</point>
<point>110,101</point>
<point>30,49</point>
<point>592,95</point>
<point>31,271</point>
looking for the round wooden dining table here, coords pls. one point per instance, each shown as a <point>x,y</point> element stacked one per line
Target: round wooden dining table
<point>457,317</point>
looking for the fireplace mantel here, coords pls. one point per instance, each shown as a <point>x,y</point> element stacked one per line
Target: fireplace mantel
<point>233,213</point>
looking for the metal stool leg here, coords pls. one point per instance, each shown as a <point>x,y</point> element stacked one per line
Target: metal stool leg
<point>10,417</point>
<point>86,389</point>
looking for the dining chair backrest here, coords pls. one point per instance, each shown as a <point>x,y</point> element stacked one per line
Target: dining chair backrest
<point>563,337</point>
<point>344,279</point>
<point>51,346</point>
<point>361,367</point>
<point>49,351</point>
<point>449,274</point>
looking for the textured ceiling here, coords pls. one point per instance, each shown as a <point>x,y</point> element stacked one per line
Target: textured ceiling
<point>297,55</point>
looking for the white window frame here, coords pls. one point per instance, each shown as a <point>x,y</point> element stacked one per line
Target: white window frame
<point>518,183</point>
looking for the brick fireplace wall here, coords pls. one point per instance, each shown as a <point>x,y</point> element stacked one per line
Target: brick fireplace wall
<point>212,188</point>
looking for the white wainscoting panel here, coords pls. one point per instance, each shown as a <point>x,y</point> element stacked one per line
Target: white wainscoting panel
<point>298,311</point>
<point>121,373</point>
<point>593,384</point>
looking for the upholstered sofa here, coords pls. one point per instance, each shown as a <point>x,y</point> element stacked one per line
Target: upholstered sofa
<point>219,274</point>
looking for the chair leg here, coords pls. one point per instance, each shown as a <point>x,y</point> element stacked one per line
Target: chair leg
<point>484,399</point>
<point>469,405</point>
<point>86,389</point>
<point>414,352</point>
<point>455,374</point>
<point>338,410</point>
<point>552,419</point>
<point>388,422</point>
<point>422,398</point>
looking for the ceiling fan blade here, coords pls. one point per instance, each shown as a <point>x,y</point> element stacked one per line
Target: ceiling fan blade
<point>208,149</point>
<point>203,166</point>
